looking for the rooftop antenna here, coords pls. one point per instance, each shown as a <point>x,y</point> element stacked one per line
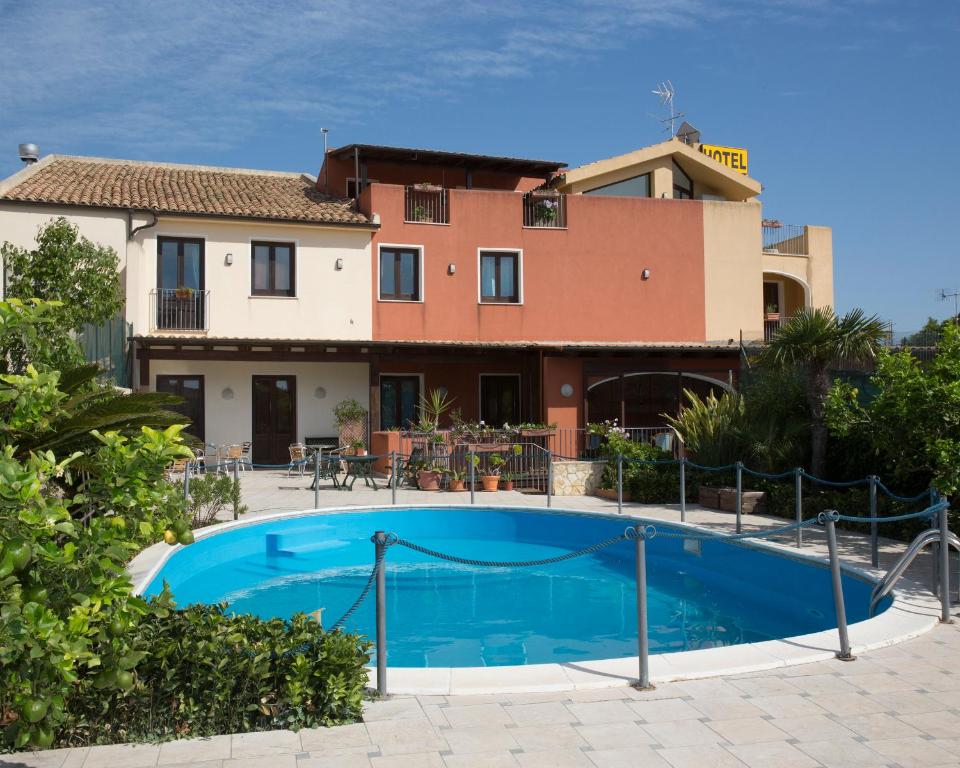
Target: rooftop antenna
<point>326,171</point>
<point>665,91</point>
<point>943,294</point>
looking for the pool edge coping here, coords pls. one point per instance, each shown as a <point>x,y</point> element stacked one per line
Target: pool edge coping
<point>908,616</point>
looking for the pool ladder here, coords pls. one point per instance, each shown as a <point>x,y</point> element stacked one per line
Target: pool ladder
<point>885,586</point>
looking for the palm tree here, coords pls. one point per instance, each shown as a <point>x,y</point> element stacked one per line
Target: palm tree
<point>817,339</point>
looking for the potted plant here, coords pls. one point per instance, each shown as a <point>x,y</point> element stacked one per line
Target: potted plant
<point>359,449</point>
<point>420,214</point>
<point>457,479</point>
<point>507,481</point>
<point>183,293</point>
<point>772,312</point>
<point>491,480</point>
<point>538,430</point>
<point>427,186</point>
<point>351,418</point>
<point>428,478</point>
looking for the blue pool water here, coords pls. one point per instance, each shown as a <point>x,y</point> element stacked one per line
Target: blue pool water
<point>446,615</point>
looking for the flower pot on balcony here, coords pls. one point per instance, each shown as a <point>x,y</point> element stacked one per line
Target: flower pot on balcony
<point>538,432</point>
<point>772,317</point>
<point>183,293</point>
<point>458,485</point>
<point>428,480</point>
<point>490,482</point>
<point>426,186</point>
<point>544,193</point>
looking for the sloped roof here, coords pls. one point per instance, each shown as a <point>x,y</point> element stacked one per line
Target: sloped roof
<point>178,189</point>
<point>517,165</point>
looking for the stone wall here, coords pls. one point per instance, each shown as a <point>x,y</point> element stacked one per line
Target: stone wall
<point>576,478</point>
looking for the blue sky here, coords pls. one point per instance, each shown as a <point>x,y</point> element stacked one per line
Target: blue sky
<point>849,108</point>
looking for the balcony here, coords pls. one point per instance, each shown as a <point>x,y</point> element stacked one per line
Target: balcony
<point>426,204</point>
<point>785,239</point>
<point>179,309</point>
<point>544,209</point>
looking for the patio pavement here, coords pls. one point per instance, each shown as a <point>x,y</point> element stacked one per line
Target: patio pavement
<point>897,706</point>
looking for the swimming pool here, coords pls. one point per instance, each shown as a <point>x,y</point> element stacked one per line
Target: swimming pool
<point>446,615</point>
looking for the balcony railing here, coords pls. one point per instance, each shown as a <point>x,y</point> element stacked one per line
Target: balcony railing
<point>179,310</point>
<point>548,211</point>
<point>426,204</point>
<point>772,325</point>
<point>788,239</point>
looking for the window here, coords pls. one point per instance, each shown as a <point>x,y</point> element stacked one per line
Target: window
<point>682,184</point>
<point>179,263</point>
<point>399,397</point>
<point>638,186</point>
<point>499,399</point>
<point>500,277</point>
<point>272,268</point>
<point>400,274</point>
<point>190,388</point>
<point>352,186</point>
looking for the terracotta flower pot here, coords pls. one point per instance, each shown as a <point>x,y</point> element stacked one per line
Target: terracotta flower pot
<point>508,485</point>
<point>428,480</point>
<point>490,482</point>
<point>458,485</point>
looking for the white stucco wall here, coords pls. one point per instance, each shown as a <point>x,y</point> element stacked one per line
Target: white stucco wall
<point>330,303</point>
<point>231,420</point>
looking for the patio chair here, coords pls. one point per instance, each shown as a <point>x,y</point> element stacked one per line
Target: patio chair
<point>211,458</point>
<point>664,441</point>
<point>246,455</point>
<point>176,469</point>
<point>329,463</point>
<point>233,454</point>
<point>404,468</point>
<point>200,460</point>
<point>298,458</point>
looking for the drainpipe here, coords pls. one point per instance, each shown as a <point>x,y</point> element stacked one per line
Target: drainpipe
<point>131,230</point>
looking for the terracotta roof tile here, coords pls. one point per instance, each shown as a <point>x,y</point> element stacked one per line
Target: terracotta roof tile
<point>167,188</point>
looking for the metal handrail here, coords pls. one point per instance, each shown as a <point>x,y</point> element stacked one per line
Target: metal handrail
<point>885,586</point>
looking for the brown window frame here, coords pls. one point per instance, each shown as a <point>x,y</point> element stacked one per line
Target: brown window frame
<point>686,194</point>
<point>498,298</point>
<point>181,241</point>
<point>396,250</point>
<point>198,430</point>
<point>290,292</point>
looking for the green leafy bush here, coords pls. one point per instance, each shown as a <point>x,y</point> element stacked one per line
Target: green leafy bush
<point>209,495</point>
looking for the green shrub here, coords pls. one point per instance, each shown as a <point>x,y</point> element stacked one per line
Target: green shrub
<point>210,495</point>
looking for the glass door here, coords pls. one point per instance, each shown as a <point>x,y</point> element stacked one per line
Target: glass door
<point>180,283</point>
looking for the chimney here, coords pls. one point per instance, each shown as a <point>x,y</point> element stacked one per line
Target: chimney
<point>29,153</point>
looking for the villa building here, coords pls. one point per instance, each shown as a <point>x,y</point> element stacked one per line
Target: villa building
<point>528,291</point>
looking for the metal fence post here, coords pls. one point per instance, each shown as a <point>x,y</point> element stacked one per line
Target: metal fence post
<point>683,489</point>
<point>874,526</point>
<point>380,552</point>
<point>236,483</point>
<point>186,482</point>
<point>798,503</point>
<point>393,477</point>
<point>549,478</point>
<point>316,478</point>
<point>944,567</point>
<point>473,474</point>
<point>619,484</point>
<point>643,641</point>
<point>830,517</point>
<point>739,493</point>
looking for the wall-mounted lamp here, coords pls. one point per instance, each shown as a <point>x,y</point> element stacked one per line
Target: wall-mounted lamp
<point>227,393</point>
<point>566,390</point>
<point>645,274</point>
<point>443,390</point>
<point>319,393</point>
<point>228,259</point>
<point>338,264</point>
<point>451,269</point>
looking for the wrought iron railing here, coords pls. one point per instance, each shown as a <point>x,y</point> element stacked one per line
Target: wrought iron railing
<point>571,443</point>
<point>426,204</point>
<point>922,344</point>
<point>790,239</point>
<point>546,211</point>
<point>179,309</point>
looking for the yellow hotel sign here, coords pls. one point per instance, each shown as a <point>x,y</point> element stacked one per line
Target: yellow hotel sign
<point>734,158</point>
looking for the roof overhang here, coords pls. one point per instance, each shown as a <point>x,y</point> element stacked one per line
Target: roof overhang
<point>406,156</point>
<point>700,167</point>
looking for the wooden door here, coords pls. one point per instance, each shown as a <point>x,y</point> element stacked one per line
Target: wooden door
<point>274,418</point>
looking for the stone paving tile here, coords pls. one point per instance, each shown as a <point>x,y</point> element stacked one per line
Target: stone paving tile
<point>879,726</point>
<point>481,760</point>
<point>844,704</point>
<point>681,733</point>
<point>712,755</point>
<point>436,715</point>
<point>123,756</point>
<point>612,735</point>
<point>627,757</point>
<point>727,708</point>
<point>787,705</point>
<point>940,725</point>
<point>557,758</point>
<point>749,730</point>
<point>265,743</point>
<point>913,752</point>
<point>814,727</point>
<point>843,753</point>
<point>416,760</point>
<point>765,686</point>
<point>401,708</point>
<point>335,761</point>
<point>547,712</point>
<point>396,737</point>
<point>603,711</point>
<point>909,702</point>
<point>883,682</point>
<point>262,761</point>
<point>194,750</point>
<point>711,688</point>
<point>533,738</point>
<point>49,758</point>
<point>475,715</point>
<point>665,709</point>
<point>826,683</point>
<point>316,739</point>
<point>485,739</point>
<point>772,754</point>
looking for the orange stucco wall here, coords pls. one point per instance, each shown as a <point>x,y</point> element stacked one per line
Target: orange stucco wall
<point>557,409</point>
<point>337,172</point>
<point>582,283</point>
